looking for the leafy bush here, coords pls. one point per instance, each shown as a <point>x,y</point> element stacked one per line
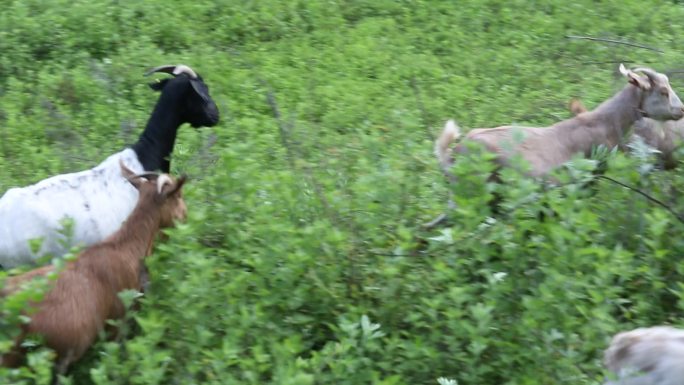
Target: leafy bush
<point>303,260</point>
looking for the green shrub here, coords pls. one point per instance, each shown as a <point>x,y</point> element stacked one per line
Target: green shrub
<point>303,260</point>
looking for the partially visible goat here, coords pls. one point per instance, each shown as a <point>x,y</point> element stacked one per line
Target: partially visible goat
<point>647,356</point>
<point>84,296</point>
<point>545,148</point>
<point>665,137</point>
<point>99,199</point>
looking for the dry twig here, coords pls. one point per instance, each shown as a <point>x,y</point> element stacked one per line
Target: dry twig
<point>615,41</point>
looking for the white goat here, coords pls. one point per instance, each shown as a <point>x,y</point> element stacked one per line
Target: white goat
<point>665,137</point>
<point>99,200</point>
<point>647,356</point>
<point>545,148</point>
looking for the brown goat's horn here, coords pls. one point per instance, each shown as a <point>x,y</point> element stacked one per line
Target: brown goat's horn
<point>143,175</point>
<point>174,70</point>
<point>162,181</point>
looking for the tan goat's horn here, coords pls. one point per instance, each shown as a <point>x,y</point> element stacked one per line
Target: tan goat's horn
<point>174,70</point>
<point>653,75</point>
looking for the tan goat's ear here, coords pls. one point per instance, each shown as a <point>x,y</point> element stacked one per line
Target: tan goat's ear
<point>640,81</point>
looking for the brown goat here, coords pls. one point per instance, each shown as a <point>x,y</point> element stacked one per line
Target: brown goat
<point>665,137</point>
<point>85,294</point>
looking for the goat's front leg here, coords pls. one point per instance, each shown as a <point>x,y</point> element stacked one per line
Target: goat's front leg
<point>143,278</point>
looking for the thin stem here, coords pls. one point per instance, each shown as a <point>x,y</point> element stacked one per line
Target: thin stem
<point>645,195</point>
<point>615,41</point>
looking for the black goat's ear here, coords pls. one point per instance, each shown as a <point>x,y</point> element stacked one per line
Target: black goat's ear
<point>201,89</point>
<point>158,85</point>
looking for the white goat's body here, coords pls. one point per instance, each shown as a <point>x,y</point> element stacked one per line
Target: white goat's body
<point>98,200</point>
<point>647,356</point>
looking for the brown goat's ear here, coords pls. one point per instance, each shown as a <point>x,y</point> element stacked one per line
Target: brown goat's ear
<point>177,187</point>
<point>129,175</point>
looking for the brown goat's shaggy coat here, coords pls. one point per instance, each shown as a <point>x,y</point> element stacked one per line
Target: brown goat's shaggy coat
<point>84,296</point>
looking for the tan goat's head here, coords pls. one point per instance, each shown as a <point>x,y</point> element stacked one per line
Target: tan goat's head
<point>659,101</point>
<point>161,190</point>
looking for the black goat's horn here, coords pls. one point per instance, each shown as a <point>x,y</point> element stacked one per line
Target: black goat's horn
<point>174,70</point>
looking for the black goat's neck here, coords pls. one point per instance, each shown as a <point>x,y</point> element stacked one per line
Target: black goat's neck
<point>155,145</point>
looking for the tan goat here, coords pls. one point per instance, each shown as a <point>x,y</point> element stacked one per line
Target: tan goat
<point>647,356</point>
<point>545,148</point>
<point>663,136</point>
<point>84,296</point>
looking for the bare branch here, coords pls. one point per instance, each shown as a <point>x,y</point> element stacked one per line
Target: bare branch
<point>650,198</point>
<point>618,62</point>
<point>614,41</point>
<point>674,72</point>
<point>282,127</point>
<point>421,106</point>
<point>294,152</point>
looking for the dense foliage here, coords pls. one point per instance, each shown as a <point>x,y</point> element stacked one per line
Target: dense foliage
<point>303,260</point>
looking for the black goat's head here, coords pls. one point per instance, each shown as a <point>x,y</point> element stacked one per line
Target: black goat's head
<point>197,106</point>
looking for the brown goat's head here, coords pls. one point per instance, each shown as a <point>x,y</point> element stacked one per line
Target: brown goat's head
<point>659,101</point>
<point>161,190</point>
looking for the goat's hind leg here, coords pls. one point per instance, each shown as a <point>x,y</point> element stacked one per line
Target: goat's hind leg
<point>61,366</point>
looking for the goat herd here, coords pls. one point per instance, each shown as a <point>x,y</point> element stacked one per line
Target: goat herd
<point>117,209</point>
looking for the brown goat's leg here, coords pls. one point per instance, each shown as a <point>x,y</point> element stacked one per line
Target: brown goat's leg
<point>61,367</point>
<point>144,278</point>
<point>17,355</point>
<point>14,358</point>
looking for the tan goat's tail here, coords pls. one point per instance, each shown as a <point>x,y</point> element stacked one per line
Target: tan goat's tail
<point>450,133</point>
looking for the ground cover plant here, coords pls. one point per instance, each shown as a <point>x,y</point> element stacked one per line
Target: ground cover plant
<point>303,259</point>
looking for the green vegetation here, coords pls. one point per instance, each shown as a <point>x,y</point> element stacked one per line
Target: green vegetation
<point>303,260</point>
